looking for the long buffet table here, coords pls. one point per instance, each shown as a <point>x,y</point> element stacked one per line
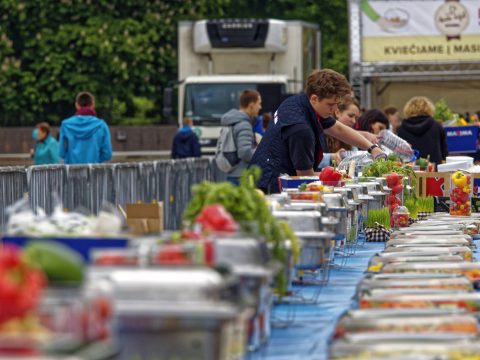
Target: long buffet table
<point>311,325</point>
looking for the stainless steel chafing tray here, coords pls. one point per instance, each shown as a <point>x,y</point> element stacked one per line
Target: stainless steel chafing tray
<point>182,312</point>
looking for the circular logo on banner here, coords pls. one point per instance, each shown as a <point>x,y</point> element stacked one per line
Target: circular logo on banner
<point>451,19</point>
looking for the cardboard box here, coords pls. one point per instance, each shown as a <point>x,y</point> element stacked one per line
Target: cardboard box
<point>145,218</point>
<point>438,183</point>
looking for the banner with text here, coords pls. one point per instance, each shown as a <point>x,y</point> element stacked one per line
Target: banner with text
<point>428,30</point>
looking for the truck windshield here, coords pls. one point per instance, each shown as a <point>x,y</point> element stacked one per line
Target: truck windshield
<point>206,103</point>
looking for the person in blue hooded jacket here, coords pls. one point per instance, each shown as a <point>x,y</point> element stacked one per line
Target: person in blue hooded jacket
<point>185,143</point>
<point>46,147</point>
<point>84,138</point>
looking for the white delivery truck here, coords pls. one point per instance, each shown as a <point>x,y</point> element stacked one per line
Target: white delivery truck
<point>218,59</point>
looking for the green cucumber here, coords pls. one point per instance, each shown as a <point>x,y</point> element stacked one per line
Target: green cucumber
<point>58,262</point>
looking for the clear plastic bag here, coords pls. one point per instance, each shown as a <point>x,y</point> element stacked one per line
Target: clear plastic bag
<point>361,158</point>
<point>399,146</point>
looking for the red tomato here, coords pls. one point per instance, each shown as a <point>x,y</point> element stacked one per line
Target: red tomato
<point>392,179</point>
<point>397,189</point>
<point>20,285</point>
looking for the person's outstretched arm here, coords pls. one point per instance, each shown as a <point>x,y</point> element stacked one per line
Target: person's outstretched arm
<point>351,137</point>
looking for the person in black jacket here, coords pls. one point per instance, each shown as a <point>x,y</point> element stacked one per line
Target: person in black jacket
<point>422,132</point>
<point>185,143</point>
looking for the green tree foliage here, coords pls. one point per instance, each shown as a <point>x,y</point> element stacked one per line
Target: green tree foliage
<point>123,51</point>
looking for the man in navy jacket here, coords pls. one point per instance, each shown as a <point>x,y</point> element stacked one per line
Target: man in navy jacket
<point>295,141</point>
<point>185,143</point>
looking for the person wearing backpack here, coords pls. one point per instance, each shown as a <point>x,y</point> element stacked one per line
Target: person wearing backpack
<point>236,144</point>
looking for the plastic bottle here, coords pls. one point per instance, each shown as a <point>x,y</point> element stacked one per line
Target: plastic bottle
<point>399,146</point>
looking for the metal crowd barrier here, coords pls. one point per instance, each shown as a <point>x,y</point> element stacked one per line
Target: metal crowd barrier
<point>13,186</point>
<point>88,187</point>
<point>46,184</point>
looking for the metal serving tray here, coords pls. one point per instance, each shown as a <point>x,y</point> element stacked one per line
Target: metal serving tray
<point>177,312</point>
<point>429,241</point>
<point>301,220</point>
<point>316,249</point>
<point>459,283</point>
<point>463,251</point>
<point>434,348</point>
<point>449,300</point>
<point>406,321</point>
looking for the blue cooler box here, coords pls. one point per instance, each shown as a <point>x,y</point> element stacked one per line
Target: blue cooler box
<point>293,182</point>
<point>83,245</point>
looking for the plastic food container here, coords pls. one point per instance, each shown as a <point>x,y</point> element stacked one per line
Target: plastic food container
<point>305,196</point>
<point>459,283</point>
<point>461,190</point>
<point>197,252</point>
<point>429,240</point>
<point>377,262</point>
<point>441,300</point>
<point>464,251</point>
<point>400,217</point>
<point>431,232</point>
<point>468,269</point>
<point>406,321</point>
<point>116,257</point>
<point>422,348</point>
<point>66,319</point>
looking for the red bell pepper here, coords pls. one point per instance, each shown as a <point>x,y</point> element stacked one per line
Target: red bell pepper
<point>325,173</point>
<point>329,176</point>
<point>215,218</point>
<point>20,285</point>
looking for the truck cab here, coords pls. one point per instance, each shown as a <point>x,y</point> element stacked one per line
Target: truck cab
<point>218,59</point>
<point>207,98</point>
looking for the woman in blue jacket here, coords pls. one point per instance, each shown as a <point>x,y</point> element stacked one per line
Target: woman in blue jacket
<point>46,147</point>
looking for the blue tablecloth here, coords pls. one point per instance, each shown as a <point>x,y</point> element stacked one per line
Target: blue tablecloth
<point>301,330</point>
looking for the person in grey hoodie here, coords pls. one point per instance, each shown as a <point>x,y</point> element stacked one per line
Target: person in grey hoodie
<point>242,122</point>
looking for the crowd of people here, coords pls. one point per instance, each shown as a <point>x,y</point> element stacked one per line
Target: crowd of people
<point>313,129</point>
<point>308,131</point>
